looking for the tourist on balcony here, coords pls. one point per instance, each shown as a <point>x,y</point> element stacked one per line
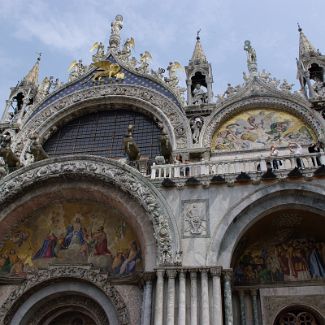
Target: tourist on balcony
<point>296,149</point>
<point>274,153</point>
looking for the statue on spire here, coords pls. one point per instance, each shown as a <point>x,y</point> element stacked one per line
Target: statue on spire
<point>116,27</point>
<point>251,57</point>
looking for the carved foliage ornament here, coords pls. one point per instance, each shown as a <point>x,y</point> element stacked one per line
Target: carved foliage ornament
<point>108,171</point>
<point>73,272</point>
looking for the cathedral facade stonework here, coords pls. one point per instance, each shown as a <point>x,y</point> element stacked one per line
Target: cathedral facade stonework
<point>123,203</point>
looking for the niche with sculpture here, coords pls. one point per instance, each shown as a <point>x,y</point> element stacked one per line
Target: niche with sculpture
<point>72,232</point>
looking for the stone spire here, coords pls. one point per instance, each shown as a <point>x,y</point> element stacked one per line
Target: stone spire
<point>32,76</point>
<point>310,69</point>
<point>198,53</point>
<point>199,77</point>
<point>21,96</point>
<point>306,49</point>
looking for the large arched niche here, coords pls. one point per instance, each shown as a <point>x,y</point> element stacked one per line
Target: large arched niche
<point>244,214</point>
<point>99,180</point>
<point>285,104</point>
<point>131,111</point>
<point>101,132</point>
<point>76,104</point>
<point>77,223</point>
<point>259,128</point>
<point>51,295</point>
<point>287,245</point>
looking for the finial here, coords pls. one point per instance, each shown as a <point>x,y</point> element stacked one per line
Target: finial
<point>39,56</point>
<point>299,28</point>
<point>198,34</point>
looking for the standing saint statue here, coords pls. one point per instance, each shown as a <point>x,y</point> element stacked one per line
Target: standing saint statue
<point>116,26</point>
<point>251,57</point>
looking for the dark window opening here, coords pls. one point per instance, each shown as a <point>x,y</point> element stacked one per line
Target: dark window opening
<point>102,134</point>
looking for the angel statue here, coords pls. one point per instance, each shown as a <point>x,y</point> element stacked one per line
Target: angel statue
<point>127,48</point>
<point>145,58</point>
<point>76,69</point>
<point>172,68</point>
<point>100,52</point>
<point>44,88</point>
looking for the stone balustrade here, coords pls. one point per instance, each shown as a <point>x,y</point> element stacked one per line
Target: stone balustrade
<point>237,166</point>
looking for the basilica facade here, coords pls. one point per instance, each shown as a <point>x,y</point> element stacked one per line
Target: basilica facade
<point>127,199</point>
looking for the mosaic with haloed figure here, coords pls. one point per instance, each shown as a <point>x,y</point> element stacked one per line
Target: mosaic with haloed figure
<point>72,233</point>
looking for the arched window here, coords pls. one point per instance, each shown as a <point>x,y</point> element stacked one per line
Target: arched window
<point>102,133</point>
<point>296,316</point>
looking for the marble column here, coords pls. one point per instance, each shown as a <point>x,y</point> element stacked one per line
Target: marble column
<point>227,275</point>
<point>147,298</point>
<point>254,303</point>
<point>241,294</point>
<point>193,297</point>
<point>171,274</point>
<point>182,299</point>
<point>205,306</point>
<point>159,298</point>
<point>217,298</point>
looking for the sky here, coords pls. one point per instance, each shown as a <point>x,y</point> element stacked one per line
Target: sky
<point>66,30</point>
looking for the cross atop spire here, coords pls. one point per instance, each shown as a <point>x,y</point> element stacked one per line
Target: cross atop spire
<point>198,53</point>
<point>306,49</point>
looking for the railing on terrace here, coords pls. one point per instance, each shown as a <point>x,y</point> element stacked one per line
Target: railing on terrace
<point>236,166</point>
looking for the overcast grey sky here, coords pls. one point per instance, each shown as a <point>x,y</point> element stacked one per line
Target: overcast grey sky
<point>65,30</point>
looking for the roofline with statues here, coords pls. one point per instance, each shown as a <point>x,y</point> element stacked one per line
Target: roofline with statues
<point>115,76</point>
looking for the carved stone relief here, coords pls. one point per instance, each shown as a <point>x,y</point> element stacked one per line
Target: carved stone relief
<point>195,217</point>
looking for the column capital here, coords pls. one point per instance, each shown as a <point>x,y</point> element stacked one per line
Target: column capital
<point>148,276</point>
<point>216,271</point>
<point>204,270</point>
<point>227,274</point>
<point>241,292</point>
<point>160,272</point>
<point>171,273</point>
<point>193,274</point>
<point>181,273</point>
<point>253,292</point>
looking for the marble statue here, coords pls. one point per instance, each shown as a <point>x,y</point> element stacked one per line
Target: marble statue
<point>251,57</point>
<point>199,94</point>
